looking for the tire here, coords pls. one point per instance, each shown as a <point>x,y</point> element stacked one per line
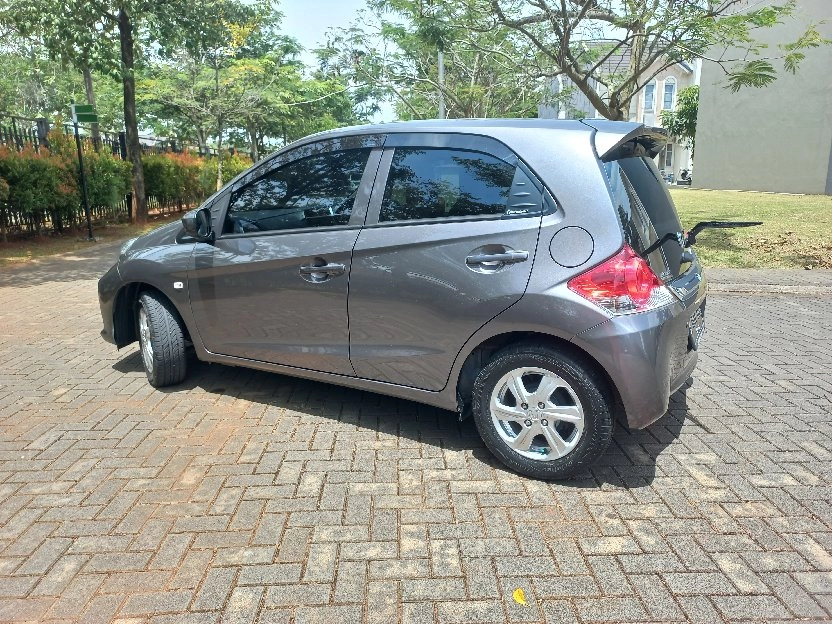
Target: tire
<point>568,434</point>
<point>161,340</point>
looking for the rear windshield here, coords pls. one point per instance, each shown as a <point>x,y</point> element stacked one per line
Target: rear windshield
<point>646,212</point>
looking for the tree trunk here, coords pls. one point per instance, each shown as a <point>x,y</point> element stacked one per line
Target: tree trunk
<point>219,153</point>
<point>96,135</point>
<point>201,140</point>
<point>252,134</point>
<point>134,148</point>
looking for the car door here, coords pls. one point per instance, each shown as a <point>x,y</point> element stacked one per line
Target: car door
<point>449,244</point>
<point>273,285</point>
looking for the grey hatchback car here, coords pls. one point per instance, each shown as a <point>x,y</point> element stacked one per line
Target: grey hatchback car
<point>532,274</point>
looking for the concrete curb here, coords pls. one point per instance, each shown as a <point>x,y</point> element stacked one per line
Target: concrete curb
<point>770,289</point>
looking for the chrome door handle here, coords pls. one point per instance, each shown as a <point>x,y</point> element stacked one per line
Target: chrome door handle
<point>327,269</point>
<point>507,257</point>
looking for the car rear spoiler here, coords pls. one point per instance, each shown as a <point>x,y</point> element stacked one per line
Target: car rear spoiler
<point>622,139</point>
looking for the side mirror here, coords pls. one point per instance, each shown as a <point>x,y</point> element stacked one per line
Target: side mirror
<point>197,224</point>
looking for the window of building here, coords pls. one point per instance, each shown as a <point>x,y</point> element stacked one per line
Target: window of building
<point>669,102</point>
<point>650,97</point>
<point>668,157</point>
<point>430,183</point>
<point>317,191</point>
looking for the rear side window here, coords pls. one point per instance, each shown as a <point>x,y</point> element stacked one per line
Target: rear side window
<point>646,212</point>
<point>426,183</point>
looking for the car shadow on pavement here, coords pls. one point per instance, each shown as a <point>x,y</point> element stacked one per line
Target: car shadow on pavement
<point>630,460</point>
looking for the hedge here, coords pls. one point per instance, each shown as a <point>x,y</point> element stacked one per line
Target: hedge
<point>39,189</point>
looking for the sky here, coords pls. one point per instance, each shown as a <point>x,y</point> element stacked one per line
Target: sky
<point>308,20</point>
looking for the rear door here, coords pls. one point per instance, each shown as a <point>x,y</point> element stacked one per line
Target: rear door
<point>449,244</point>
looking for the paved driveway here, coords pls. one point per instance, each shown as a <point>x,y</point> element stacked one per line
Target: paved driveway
<point>245,496</point>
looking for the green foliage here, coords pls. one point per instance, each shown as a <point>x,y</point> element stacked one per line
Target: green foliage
<point>38,185</point>
<point>173,177</point>
<point>46,183</point>
<point>232,166</point>
<point>391,53</point>
<point>240,81</point>
<point>108,178</point>
<point>681,122</point>
<point>611,50</point>
<point>757,73</point>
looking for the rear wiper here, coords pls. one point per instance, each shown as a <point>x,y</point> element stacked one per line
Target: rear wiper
<point>684,241</point>
<point>670,236</point>
<point>691,237</point>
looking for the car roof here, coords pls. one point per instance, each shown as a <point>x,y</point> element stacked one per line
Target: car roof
<point>606,134</point>
<point>482,126</point>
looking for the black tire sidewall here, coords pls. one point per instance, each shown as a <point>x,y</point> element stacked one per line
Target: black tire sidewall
<point>588,386</point>
<point>152,375</point>
<point>169,360</point>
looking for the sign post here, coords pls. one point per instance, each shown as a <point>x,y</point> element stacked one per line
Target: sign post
<point>83,113</point>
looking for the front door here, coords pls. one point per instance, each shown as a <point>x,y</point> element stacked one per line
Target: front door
<point>449,244</point>
<point>273,286</point>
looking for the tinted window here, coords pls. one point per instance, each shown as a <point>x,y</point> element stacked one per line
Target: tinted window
<point>639,230</point>
<point>431,183</point>
<point>317,191</point>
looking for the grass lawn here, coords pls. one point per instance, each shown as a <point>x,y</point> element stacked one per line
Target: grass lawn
<point>26,250</point>
<point>796,231</point>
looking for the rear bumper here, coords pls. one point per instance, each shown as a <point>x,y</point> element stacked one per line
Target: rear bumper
<point>647,356</point>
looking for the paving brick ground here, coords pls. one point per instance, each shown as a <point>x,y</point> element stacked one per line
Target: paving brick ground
<point>242,496</point>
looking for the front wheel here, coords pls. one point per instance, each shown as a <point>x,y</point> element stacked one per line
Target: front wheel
<point>544,414</point>
<point>161,340</point>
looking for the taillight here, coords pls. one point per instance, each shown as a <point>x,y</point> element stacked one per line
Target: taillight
<point>624,284</point>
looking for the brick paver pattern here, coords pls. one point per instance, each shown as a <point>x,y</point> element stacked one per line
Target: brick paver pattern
<point>242,496</point>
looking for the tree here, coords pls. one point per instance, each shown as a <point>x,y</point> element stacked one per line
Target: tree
<point>577,39</point>
<point>242,83</point>
<point>102,35</point>
<point>392,52</point>
<point>681,122</point>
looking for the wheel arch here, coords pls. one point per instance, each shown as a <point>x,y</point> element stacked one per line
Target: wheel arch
<point>484,352</point>
<point>125,308</point>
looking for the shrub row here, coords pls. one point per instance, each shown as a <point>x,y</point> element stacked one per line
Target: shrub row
<point>180,180</point>
<point>39,189</point>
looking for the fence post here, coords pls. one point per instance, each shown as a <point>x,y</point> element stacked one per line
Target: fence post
<point>122,148</point>
<point>43,131</point>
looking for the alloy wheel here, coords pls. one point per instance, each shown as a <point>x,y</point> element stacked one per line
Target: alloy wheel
<point>537,413</point>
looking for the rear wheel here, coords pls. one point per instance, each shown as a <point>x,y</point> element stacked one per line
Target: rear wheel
<point>161,341</point>
<point>544,414</point>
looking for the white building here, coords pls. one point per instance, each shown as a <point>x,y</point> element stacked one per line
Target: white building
<point>778,138</point>
<point>646,106</point>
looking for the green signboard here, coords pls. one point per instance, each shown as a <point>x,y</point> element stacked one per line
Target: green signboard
<point>84,113</point>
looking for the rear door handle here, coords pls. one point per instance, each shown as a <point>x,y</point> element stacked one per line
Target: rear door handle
<point>327,269</point>
<point>506,257</point>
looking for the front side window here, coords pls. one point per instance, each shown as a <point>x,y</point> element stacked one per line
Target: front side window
<point>430,183</point>
<point>317,191</point>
